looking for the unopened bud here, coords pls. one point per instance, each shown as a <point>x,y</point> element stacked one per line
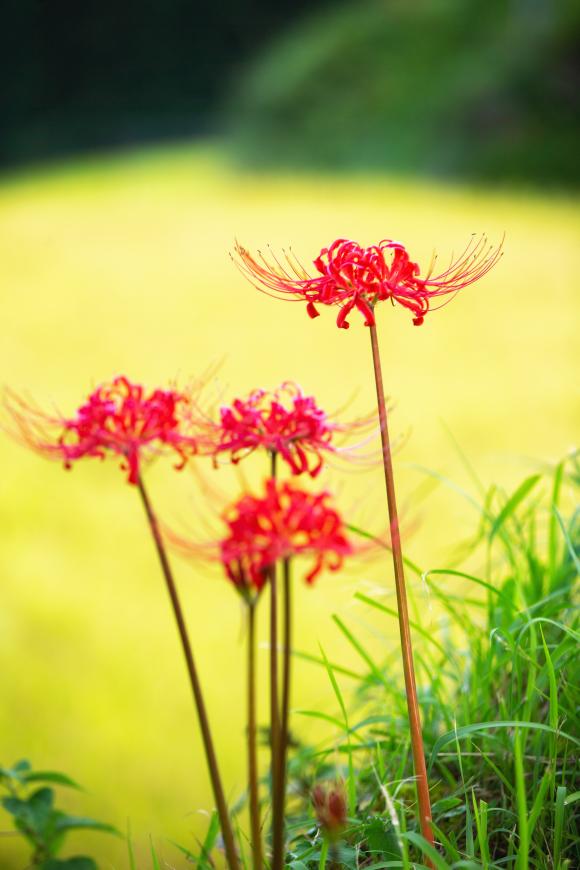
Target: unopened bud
<point>330,807</point>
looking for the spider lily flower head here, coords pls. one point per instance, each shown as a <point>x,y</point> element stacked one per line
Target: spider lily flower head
<point>119,417</point>
<point>353,277</point>
<point>284,522</point>
<point>285,422</point>
<point>330,807</point>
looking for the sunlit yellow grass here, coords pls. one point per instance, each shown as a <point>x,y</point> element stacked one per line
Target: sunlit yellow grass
<point>122,266</point>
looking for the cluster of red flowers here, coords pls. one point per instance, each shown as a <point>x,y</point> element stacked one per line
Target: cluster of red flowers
<point>351,276</point>
<point>284,421</point>
<point>286,521</point>
<point>118,417</point>
<point>124,419</point>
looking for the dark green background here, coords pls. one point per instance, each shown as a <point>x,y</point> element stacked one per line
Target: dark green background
<point>487,90</point>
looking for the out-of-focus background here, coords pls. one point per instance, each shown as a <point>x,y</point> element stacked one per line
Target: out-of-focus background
<point>137,141</point>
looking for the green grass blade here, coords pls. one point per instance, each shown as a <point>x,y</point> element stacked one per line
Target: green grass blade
<point>512,503</point>
<point>357,645</point>
<point>480,816</point>
<point>427,849</point>
<point>210,839</point>
<point>483,583</point>
<point>370,537</point>
<point>559,824</point>
<point>553,525</point>
<point>542,620</point>
<point>335,686</point>
<point>539,800</point>
<point>155,860</point>
<point>132,865</point>
<point>324,717</point>
<point>323,855</point>
<point>338,669</point>
<point>466,730</point>
<point>414,625</point>
<point>351,784</point>
<point>524,848</point>
<point>569,544</point>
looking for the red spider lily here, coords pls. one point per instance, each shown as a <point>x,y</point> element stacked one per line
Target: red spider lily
<point>286,521</point>
<point>284,421</point>
<point>351,276</point>
<point>119,417</point>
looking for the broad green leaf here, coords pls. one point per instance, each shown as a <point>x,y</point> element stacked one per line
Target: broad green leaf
<point>381,840</point>
<point>33,813</point>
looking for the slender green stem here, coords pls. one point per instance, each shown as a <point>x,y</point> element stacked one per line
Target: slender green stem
<point>255,825</point>
<point>221,805</point>
<point>323,854</point>
<point>404,627</point>
<point>285,712</point>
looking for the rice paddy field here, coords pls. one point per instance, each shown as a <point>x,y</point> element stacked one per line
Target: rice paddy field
<point>121,265</point>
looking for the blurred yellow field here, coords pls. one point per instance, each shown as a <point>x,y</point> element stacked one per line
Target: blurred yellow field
<point>122,266</point>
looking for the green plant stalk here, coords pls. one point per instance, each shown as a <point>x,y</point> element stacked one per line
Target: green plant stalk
<point>403,610</point>
<point>523,845</point>
<point>255,825</point>
<point>221,805</point>
<point>323,854</point>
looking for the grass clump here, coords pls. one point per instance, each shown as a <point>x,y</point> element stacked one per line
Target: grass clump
<point>499,694</point>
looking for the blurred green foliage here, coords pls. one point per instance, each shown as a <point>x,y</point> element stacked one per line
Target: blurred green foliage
<point>38,821</point>
<point>450,87</point>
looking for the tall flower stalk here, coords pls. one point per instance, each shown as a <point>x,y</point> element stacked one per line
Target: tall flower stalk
<point>418,751</point>
<point>264,531</point>
<point>275,725</point>
<point>286,685</point>
<point>354,278</point>
<point>120,418</point>
<point>291,428</point>
<point>208,745</point>
<point>253,776</point>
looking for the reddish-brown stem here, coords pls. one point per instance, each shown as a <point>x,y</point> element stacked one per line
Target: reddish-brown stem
<point>284,716</point>
<point>277,858</point>
<point>404,627</point>
<point>255,825</point>
<point>218,792</point>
